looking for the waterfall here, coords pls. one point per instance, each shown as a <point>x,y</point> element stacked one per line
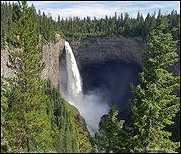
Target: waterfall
<point>91,106</point>
<point>74,84</point>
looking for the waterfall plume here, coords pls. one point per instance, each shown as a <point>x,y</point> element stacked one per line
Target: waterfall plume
<point>74,84</point>
<point>92,106</point>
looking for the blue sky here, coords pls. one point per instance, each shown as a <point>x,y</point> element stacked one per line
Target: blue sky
<point>102,8</point>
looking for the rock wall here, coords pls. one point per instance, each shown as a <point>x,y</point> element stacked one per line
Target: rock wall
<point>109,65</point>
<point>51,53</point>
<point>51,56</point>
<point>92,50</point>
<point>108,48</point>
<point>5,71</point>
<point>102,49</point>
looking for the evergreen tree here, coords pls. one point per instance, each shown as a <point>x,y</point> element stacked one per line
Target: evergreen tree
<point>155,103</point>
<point>126,24</point>
<point>29,108</point>
<point>76,28</point>
<point>5,94</point>
<point>26,109</point>
<point>111,137</point>
<point>159,16</point>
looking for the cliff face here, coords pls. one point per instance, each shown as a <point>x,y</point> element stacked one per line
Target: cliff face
<point>5,71</point>
<point>100,50</point>
<point>51,53</point>
<point>108,65</point>
<point>111,64</point>
<point>108,48</point>
<point>88,51</point>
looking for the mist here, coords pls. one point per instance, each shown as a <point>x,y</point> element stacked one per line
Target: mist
<point>93,104</point>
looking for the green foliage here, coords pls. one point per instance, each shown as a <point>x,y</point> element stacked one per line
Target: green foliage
<point>68,130</point>
<point>46,27</point>
<point>71,133</point>
<point>26,115</point>
<point>76,28</point>
<point>5,93</point>
<point>155,103</point>
<point>27,106</point>
<point>111,136</point>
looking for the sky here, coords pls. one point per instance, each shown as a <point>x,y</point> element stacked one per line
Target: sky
<point>101,8</point>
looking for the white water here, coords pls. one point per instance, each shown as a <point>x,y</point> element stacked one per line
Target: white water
<point>74,84</point>
<point>91,106</point>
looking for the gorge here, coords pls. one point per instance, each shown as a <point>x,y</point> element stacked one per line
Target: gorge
<point>100,83</point>
<point>107,67</point>
<point>97,83</point>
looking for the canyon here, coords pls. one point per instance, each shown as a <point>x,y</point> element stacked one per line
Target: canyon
<point>107,66</point>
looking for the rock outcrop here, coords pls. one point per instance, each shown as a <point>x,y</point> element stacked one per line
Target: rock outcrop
<point>51,53</point>
<point>5,71</point>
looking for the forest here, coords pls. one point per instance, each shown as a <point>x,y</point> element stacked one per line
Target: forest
<point>29,103</point>
<point>76,28</point>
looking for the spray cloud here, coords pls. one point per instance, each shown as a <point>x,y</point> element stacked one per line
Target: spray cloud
<point>92,106</point>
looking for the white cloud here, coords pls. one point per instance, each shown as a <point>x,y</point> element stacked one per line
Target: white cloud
<point>178,8</point>
<point>81,11</point>
<point>102,8</point>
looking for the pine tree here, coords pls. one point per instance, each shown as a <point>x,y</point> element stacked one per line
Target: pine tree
<point>159,16</point>
<point>126,24</point>
<point>111,137</point>
<point>29,108</point>
<point>155,103</point>
<point>5,93</point>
